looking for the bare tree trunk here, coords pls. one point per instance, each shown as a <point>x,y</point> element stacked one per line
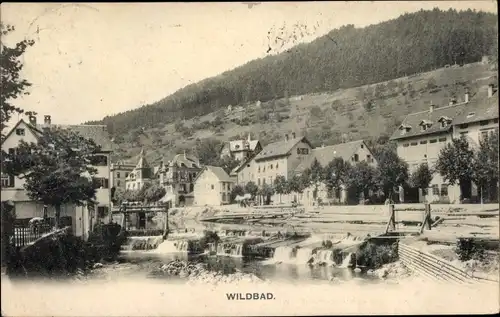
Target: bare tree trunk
<point>58,216</point>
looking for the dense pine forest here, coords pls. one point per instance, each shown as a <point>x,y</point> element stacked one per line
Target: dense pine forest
<point>344,58</point>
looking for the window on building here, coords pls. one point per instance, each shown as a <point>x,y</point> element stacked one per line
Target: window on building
<point>442,139</point>
<point>433,141</point>
<point>362,146</point>
<point>191,188</point>
<point>435,189</point>
<point>223,186</point>
<point>423,142</point>
<point>369,158</point>
<point>484,122</point>
<point>258,170</point>
<point>101,182</point>
<point>277,165</point>
<point>20,132</point>
<point>444,124</point>
<point>102,211</point>
<point>423,127</point>
<point>212,186</point>
<point>444,189</point>
<point>355,158</point>
<point>223,196</point>
<point>495,120</point>
<point>118,183</point>
<point>126,175</point>
<point>117,174</point>
<point>7,180</point>
<point>464,133</point>
<point>463,126</point>
<point>406,144</point>
<point>258,181</point>
<point>484,134</point>
<point>271,167</point>
<point>414,143</point>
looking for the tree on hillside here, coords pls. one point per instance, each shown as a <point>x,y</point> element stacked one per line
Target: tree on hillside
<point>392,171</point>
<point>455,164</point>
<point>227,163</point>
<point>485,167</point>
<point>208,151</point>
<point>251,188</point>
<point>10,69</point>
<point>362,179</point>
<point>57,169</point>
<point>314,176</point>
<point>281,185</point>
<point>336,175</point>
<point>421,178</point>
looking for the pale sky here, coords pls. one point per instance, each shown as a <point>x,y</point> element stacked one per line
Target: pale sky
<point>92,60</point>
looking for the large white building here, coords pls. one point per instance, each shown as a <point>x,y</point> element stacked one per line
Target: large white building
<point>80,218</point>
<point>423,134</point>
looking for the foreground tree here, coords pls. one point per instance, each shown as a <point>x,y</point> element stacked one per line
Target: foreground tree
<point>296,184</point>
<point>362,179</point>
<point>336,175</point>
<point>251,188</point>
<point>455,164</point>
<point>314,176</point>
<point>237,190</point>
<point>421,178</point>
<point>281,186</point>
<point>266,191</point>
<point>57,170</point>
<point>10,68</point>
<point>392,171</point>
<point>485,167</point>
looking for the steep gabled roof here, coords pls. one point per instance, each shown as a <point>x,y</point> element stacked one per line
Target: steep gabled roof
<point>412,121</point>
<point>280,148</point>
<point>142,163</point>
<point>98,133</point>
<point>326,154</point>
<point>219,172</point>
<point>478,110</point>
<point>32,128</point>
<point>186,159</point>
<point>239,145</point>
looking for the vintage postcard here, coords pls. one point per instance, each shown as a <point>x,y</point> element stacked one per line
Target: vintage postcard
<point>249,158</point>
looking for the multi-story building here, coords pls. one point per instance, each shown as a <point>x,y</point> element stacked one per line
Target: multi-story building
<point>422,135</point>
<point>241,149</point>
<point>81,218</point>
<point>277,159</point>
<point>212,187</point>
<point>119,173</point>
<point>142,174</point>
<point>352,152</point>
<point>177,176</point>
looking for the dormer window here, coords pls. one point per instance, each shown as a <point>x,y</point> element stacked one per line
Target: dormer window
<point>404,128</point>
<point>20,132</point>
<point>425,125</point>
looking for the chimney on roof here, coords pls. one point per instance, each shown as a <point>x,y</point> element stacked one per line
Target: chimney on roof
<point>286,137</point>
<point>32,119</point>
<point>490,90</point>
<point>466,97</point>
<point>293,135</point>
<point>47,119</point>
<point>431,107</point>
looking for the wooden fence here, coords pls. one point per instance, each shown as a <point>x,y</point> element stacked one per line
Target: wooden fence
<point>435,268</point>
<point>27,235</point>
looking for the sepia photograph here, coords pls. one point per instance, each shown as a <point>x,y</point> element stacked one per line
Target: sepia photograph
<point>249,158</point>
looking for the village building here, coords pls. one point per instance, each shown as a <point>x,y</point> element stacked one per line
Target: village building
<point>177,176</point>
<point>80,218</point>
<point>241,150</point>
<point>142,174</point>
<point>119,173</point>
<point>213,187</point>
<point>422,135</point>
<point>351,152</point>
<point>276,159</point>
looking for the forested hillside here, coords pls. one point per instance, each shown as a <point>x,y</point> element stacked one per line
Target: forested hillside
<point>346,57</point>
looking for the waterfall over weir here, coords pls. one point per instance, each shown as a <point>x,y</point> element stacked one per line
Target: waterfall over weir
<point>229,249</point>
<point>324,256</point>
<point>173,246</point>
<point>142,243</point>
<point>283,254</point>
<point>347,261</point>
